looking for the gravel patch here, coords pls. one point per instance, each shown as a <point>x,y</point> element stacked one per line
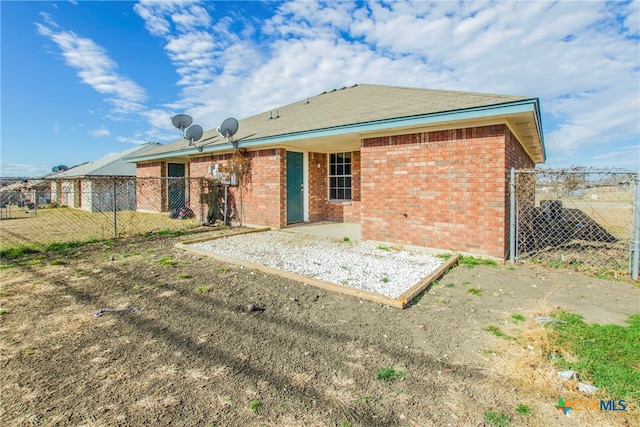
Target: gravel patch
<point>360,265</point>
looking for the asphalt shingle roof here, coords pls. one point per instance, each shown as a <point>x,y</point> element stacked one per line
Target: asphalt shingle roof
<point>347,106</point>
<point>111,165</point>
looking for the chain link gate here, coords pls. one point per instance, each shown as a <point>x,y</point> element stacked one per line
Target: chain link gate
<point>585,219</point>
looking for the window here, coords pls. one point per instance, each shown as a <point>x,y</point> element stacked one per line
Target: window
<point>340,176</point>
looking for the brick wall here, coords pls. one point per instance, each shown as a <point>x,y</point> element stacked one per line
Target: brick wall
<point>197,171</point>
<point>151,170</point>
<point>259,199</point>
<point>317,186</point>
<point>322,209</point>
<point>351,212</point>
<point>443,189</point>
<point>151,192</point>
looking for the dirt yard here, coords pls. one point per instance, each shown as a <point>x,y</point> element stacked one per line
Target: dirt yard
<point>188,353</point>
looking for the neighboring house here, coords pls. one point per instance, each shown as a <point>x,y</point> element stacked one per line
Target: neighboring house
<point>90,186</point>
<point>411,166</point>
<point>26,192</point>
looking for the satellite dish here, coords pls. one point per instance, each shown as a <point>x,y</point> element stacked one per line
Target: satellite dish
<point>229,127</point>
<point>181,121</point>
<point>60,168</point>
<point>194,133</point>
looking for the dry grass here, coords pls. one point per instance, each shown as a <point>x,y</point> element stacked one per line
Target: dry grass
<point>527,366</point>
<point>64,224</point>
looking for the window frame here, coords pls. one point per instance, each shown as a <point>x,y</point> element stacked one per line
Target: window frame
<point>340,176</point>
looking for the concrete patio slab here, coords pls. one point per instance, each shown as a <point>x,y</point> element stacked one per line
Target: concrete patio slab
<point>339,230</point>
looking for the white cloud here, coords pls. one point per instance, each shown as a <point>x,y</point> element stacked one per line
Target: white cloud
<point>582,59</point>
<point>103,131</point>
<point>94,67</point>
<point>153,12</point>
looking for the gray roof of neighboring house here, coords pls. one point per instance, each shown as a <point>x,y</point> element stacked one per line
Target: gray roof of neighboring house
<point>111,165</point>
<point>343,108</point>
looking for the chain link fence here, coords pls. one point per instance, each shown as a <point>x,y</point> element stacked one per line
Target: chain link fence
<point>578,218</point>
<point>40,212</point>
<point>584,219</point>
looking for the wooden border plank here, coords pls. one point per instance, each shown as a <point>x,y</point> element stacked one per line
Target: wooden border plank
<point>415,290</point>
<point>220,236</point>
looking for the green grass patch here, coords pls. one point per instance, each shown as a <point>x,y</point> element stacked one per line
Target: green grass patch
<point>607,355</point>
<point>475,291</point>
<point>495,331</point>
<point>202,289</point>
<point>496,419</point>
<point>3,311</point>
<point>466,282</point>
<point>445,257</point>
<point>127,255</point>
<point>523,409</point>
<point>345,239</point>
<point>364,399</point>
<point>254,405</point>
<point>517,317</point>
<point>385,279</point>
<point>450,285</point>
<point>167,261</point>
<point>165,232</point>
<point>555,264</point>
<point>389,373</point>
<point>384,248</point>
<point>16,252</point>
<point>64,245</point>
<point>470,261</point>
<point>183,276</point>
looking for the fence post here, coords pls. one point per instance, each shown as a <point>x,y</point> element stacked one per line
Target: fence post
<point>636,232</point>
<point>201,199</point>
<point>512,216</point>
<point>115,211</point>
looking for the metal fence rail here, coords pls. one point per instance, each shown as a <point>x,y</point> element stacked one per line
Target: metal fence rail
<point>585,219</point>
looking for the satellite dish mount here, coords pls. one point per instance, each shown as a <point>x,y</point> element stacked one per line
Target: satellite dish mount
<point>192,134</point>
<point>227,129</point>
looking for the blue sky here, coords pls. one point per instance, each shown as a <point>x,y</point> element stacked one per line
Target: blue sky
<point>81,80</point>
